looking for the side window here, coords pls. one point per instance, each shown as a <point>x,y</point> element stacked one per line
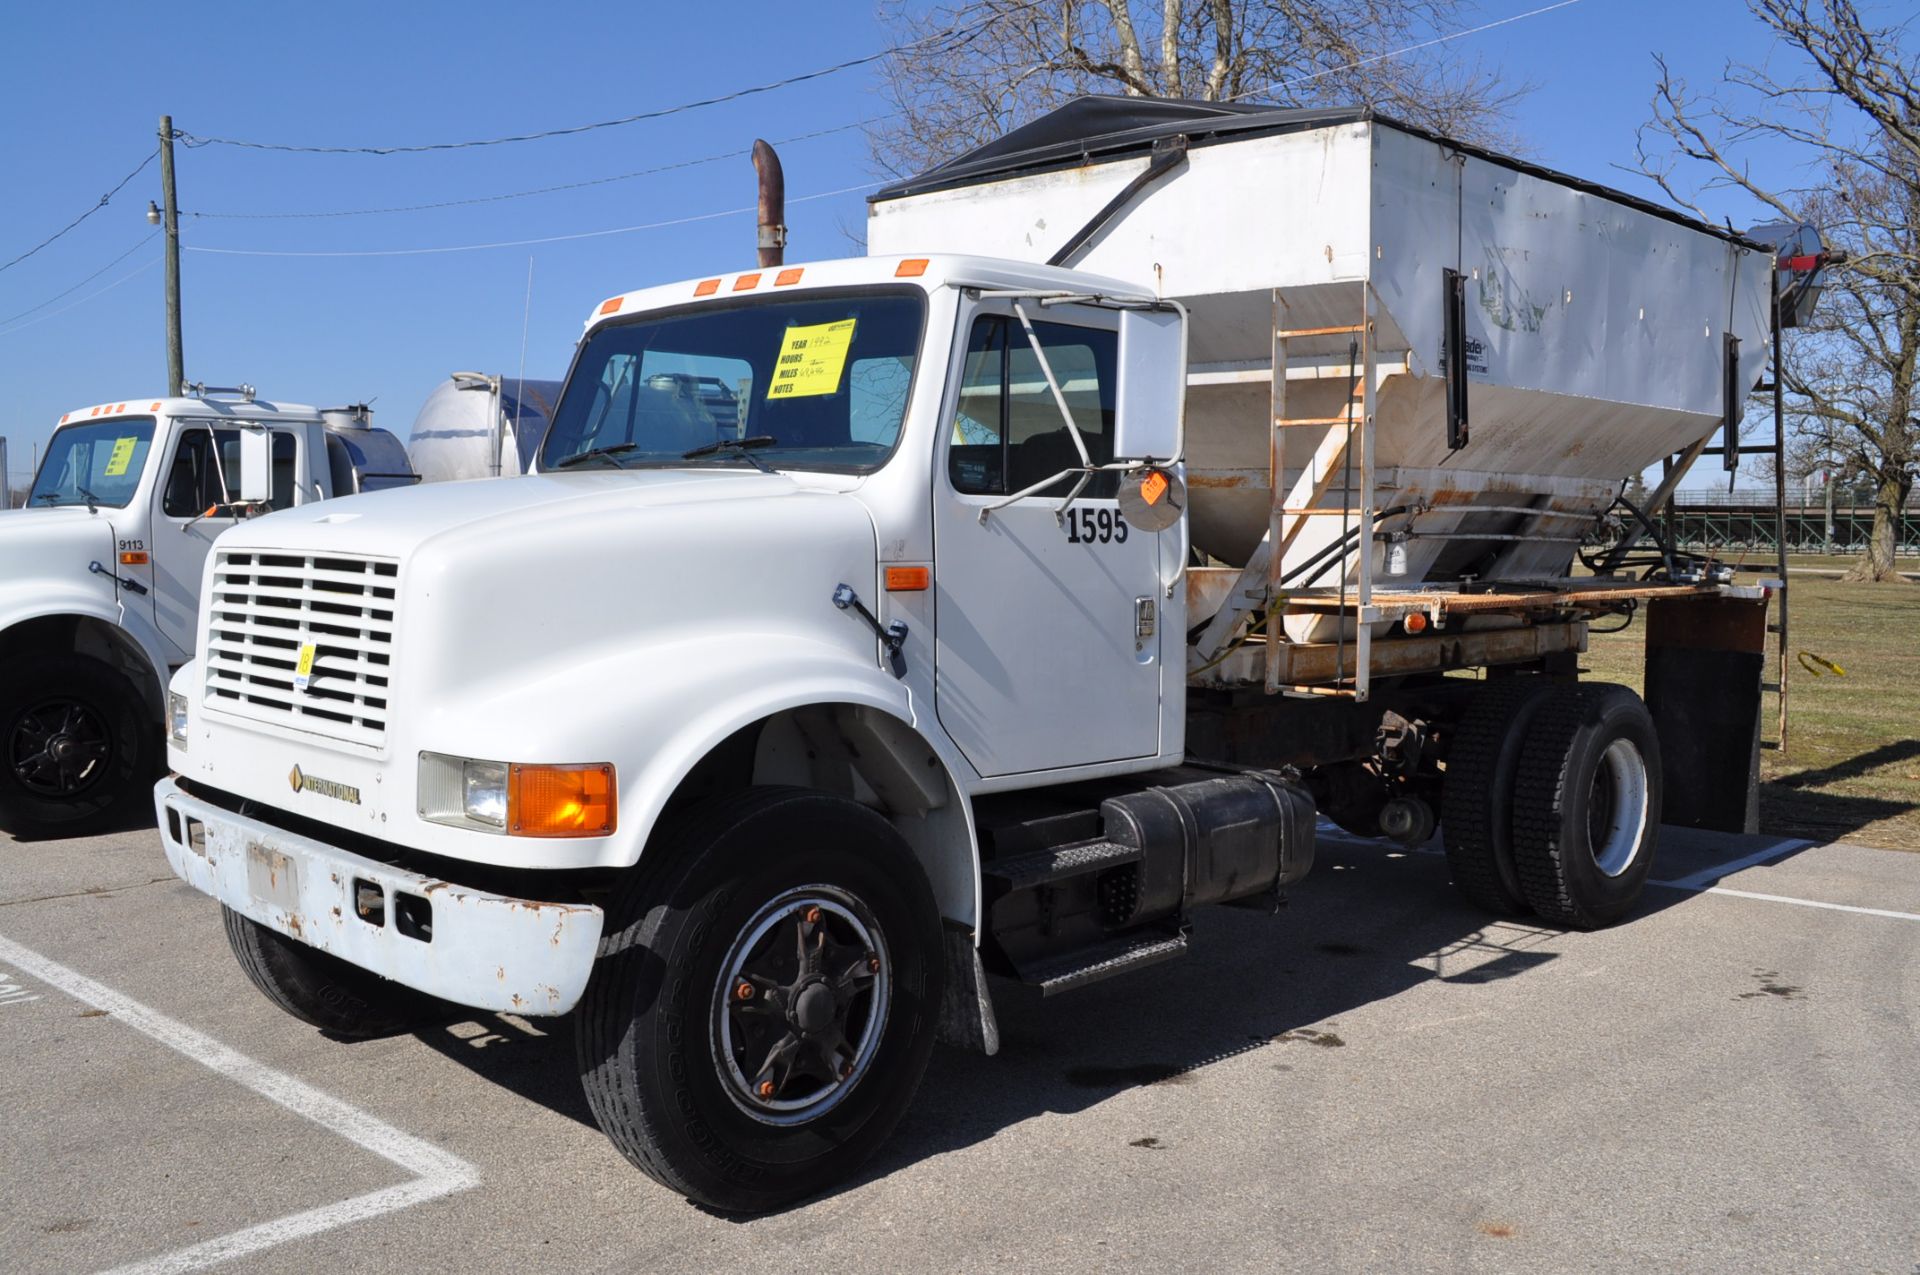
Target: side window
<point>285,451</point>
<point>1008,433</point>
<point>193,480</point>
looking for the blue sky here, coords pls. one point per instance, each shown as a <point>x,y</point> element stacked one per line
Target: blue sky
<point>86,83</point>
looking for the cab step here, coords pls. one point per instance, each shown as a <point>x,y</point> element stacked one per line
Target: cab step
<point>1090,965</point>
<point>1058,863</point>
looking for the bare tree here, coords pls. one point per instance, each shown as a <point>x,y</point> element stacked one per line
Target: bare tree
<point>1017,59</point>
<point>1853,375</point>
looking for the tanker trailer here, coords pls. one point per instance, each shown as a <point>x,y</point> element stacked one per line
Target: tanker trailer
<point>1419,376</point>
<point>478,426</point>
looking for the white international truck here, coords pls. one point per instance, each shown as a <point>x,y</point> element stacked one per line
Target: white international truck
<point>100,576</point>
<point>1009,614</point>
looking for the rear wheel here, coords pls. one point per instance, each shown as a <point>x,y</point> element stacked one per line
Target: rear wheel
<point>321,989</point>
<point>79,749</point>
<point>1586,816</point>
<point>1476,800</point>
<point>765,998</point>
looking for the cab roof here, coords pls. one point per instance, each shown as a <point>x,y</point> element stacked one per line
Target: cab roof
<point>240,409</point>
<point>930,271</point>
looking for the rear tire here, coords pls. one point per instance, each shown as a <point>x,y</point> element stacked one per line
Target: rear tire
<point>321,989</point>
<point>698,994</point>
<point>1586,812</point>
<point>79,749</point>
<point>1476,800</point>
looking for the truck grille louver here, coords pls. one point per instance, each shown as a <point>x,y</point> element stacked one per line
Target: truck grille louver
<point>264,606</point>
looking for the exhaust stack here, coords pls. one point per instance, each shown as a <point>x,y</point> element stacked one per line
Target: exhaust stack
<point>773,204</point>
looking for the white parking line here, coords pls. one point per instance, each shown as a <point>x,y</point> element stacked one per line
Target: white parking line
<point>436,1173</point>
<point>1783,898</point>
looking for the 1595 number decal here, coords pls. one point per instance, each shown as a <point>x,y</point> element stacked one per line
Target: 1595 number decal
<point>1095,526</point>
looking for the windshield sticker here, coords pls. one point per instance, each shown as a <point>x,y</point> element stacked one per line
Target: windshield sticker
<point>121,457</point>
<point>812,360</point>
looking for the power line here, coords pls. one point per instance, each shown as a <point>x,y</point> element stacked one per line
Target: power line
<point>959,35</point>
<point>5,332</point>
<point>84,282</point>
<point>104,199</point>
<point>1402,52</point>
<point>523,194</point>
<point>521,243</point>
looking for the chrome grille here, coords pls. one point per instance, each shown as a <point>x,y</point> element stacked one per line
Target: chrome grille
<point>266,605</point>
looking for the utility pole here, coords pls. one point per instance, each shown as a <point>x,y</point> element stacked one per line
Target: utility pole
<point>176,374</point>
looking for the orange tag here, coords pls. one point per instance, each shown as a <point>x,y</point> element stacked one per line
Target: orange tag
<point>1152,487</point>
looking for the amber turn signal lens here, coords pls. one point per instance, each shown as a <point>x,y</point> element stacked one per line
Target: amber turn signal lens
<point>908,579</point>
<point>560,801</point>
<point>132,558</point>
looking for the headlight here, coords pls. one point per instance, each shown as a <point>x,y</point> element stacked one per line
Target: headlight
<point>177,718</point>
<point>483,791</point>
<point>518,799</point>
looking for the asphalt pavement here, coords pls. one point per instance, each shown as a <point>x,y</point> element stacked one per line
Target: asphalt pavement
<point>1378,1078</point>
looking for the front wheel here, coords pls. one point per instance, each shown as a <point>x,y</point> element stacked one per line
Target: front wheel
<point>764,1002</point>
<point>79,749</point>
<point>320,989</point>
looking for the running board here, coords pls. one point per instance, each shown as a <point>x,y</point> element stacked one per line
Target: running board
<point>1090,965</point>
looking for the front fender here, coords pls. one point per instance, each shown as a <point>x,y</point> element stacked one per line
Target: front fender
<point>92,599</point>
<point>655,726</point>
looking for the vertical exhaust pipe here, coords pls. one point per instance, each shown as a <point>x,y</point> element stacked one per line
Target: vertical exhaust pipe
<point>773,204</point>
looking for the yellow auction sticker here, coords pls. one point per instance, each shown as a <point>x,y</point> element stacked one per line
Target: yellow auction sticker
<point>303,671</point>
<point>120,457</point>
<point>811,360</point>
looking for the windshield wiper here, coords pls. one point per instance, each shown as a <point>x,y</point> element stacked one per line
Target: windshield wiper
<point>610,453</point>
<point>741,447</point>
<point>53,498</point>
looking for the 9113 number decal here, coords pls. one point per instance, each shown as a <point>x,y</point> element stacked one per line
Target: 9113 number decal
<point>1095,526</point>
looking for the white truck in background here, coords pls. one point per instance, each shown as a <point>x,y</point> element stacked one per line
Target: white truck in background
<point>756,729</point>
<point>100,576</point>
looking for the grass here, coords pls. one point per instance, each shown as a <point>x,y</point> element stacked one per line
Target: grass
<point>1851,767</point>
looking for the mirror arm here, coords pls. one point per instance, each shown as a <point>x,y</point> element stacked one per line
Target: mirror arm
<point>1059,398</point>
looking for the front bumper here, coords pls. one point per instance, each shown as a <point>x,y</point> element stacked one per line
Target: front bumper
<point>487,951</point>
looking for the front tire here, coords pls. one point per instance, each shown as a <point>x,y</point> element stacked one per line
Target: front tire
<point>1586,809</point>
<point>764,1002</point>
<point>79,749</point>
<point>322,990</point>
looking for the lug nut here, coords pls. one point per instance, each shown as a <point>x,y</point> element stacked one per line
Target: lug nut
<point>743,991</point>
<point>873,963</point>
<point>846,1069</point>
<point>765,1089</point>
<point>813,916</point>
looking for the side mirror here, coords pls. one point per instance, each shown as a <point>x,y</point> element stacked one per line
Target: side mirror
<point>1151,402</point>
<point>256,466</point>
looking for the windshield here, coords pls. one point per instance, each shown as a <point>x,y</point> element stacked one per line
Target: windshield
<point>824,377</point>
<point>98,463</point>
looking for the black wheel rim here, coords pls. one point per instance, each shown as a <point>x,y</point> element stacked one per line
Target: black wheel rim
<point>59,748</point>
<point>801,1005</point>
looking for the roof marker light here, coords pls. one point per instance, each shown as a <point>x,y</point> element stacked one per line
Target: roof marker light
<point>746,282</point>
<point>786,277</point>
<point>911,268</point>
<point>706,287</point>
<point>611,305</point>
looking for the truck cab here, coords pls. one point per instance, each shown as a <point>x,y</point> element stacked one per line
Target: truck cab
<point>99,598</point>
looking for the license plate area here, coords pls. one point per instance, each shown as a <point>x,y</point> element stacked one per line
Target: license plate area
<point>272,877</point>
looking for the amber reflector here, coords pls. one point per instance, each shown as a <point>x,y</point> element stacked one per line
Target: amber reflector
<point>1415,623</point>
<point>912,268</point>
<point>908,579</point>
<point>560,801</point>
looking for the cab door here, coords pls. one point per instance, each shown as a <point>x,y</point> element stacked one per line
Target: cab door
<point>193,507</point>
<point>1046,650</point>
